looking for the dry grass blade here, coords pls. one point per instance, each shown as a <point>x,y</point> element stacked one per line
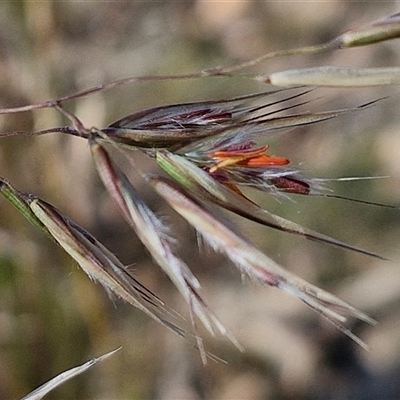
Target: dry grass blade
<point>253,262</point>
<point>52,384</point>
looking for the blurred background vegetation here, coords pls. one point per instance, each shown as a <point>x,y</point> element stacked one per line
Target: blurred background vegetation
<point>52,317</point>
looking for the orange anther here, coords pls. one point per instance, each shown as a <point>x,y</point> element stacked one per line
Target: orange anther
<point>248,157</point>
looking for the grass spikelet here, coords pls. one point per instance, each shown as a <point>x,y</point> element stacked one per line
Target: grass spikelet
<point>335,77</point>
<point>152,233</point>
<point>202,184</point>
<point>98,262</point>
<point>252,261</point>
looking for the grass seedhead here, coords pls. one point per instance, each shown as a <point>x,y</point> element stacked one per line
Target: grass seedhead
<point>211,151</point>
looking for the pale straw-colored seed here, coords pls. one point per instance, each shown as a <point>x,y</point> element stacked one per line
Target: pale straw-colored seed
<point>334,77</point>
